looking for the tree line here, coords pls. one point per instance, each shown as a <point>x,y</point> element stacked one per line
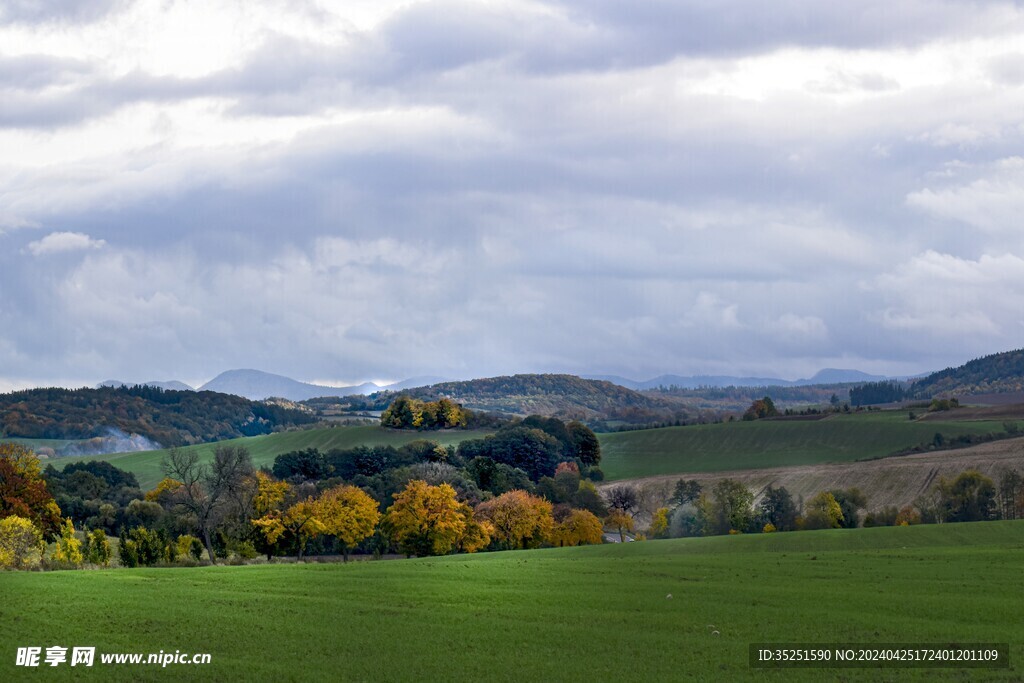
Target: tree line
<point>728,507</point>
<point>419,499</point>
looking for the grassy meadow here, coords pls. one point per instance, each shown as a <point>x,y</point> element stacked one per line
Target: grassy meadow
<point>146,464</point>
<point>773,443</point>
<point>584,614</point>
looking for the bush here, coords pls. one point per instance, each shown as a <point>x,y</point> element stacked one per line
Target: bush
<point>21,543</point>
<point>69,548</point>
<point>97,548</point>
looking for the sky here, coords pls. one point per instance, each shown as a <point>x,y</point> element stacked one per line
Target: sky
<point>372,190</point>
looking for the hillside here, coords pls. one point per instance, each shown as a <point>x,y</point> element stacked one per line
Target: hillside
<point>775,443</point>
<point>826,376</point>
<point>263,449</point>
<point>995,373</point>
<point>564,396</point>
<point>889,481</point>
<point>684,609</point>
<point>169,418</point>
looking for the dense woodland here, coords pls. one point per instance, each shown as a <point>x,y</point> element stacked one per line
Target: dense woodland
<point>995,373</point>
<point>873,393</point>
<point>170,418</point>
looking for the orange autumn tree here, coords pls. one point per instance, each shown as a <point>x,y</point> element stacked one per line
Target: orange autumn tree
<point>348,514</point>
<point>580,527</point>
<point>520,520</point>
<point>23,490</point>
<point>430,520</point>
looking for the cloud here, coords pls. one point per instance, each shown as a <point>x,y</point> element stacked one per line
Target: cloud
<point>58,242</point>
<point>992,202</point>
<point>977,302</point>
<point>69,11</point>
<point>480,188</point>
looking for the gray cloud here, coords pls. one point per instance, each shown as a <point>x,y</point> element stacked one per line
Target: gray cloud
<point>70,11</point>
<point>522,190</point>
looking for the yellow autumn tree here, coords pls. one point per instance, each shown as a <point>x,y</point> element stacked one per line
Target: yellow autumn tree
<point>823,512</point>
<point>520,520</point>
<point>659,524</point>
<point>302,521</point>
<point>348,514</point>
<point>69,548</point>
<point>268,508</point>
<point>426,520</point>
<point>166,488</point>
<point>620,521</point>
<point>580,527</point>
<point>21,543</point>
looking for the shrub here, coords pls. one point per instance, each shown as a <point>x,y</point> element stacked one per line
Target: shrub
<point>97,548</point>
<point>69,548</point>
<point>21,543</point>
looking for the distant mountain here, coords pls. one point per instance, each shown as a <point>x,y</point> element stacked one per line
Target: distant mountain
<point>834,376</point>
<point>257,385</point>
<point>413,382</point>
<point>166,386</point>
<point>993,374</point>
<point>827,376</point>
<point>565,396</point>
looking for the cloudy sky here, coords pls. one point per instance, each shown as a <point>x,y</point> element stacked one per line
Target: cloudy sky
<point>352,190</point>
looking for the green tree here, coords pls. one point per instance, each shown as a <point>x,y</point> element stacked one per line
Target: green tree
<point>97,548</point>
<point>970,497</point>
<point>588,448</point>
<point>823,512</point>
<point>686,491</point>
<point>851,502</point>
<point>777,508</point>
<point>728,508</point>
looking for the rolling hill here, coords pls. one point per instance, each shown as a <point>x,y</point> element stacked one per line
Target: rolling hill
<point>826,376</point>
<point>565,396</point>
<point>896,481</point>
<point>263,449</point>
<point>992,374</point>
<point>774,443</point>
<point>169,418</point>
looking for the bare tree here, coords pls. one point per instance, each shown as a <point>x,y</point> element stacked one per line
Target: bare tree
<point>623,497</point>
<point>208,491</point>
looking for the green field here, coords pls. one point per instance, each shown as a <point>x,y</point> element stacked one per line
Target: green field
<point>585,614</point>
<point>772,443</point>
<point>146,464</point>
<point>626,455</point>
